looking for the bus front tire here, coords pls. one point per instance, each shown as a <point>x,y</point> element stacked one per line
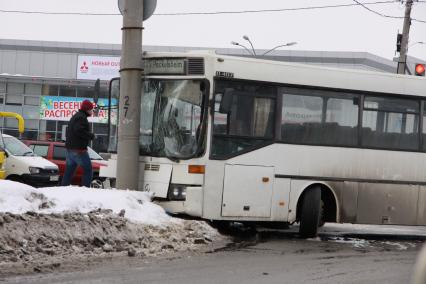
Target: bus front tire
<point>310,212</point>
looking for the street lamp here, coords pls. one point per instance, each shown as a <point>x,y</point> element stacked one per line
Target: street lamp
<point>253,51</point>
<point>245,37</point>
<point>287,44</point>
<point>419,42</point>
<point>239,44</point>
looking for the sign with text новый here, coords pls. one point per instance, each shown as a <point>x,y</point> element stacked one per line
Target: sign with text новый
<point>97,67</point>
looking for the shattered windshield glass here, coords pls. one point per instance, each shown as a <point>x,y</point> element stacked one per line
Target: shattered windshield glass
<point>171,118</point>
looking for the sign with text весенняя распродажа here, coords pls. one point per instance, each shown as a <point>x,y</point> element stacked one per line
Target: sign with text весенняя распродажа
<point>63,108</point>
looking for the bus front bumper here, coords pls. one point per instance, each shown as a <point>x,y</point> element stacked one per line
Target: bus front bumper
<point>192,205</point>
<point>172,207</point>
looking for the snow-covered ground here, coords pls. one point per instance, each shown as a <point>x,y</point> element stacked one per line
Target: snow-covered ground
<point>42,228</point>
<point>18,198</point>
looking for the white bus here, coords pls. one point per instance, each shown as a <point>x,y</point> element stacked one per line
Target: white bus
<point>225,138</point>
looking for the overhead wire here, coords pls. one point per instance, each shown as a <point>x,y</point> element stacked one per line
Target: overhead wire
<point>272,10</point>
<point>201,13</point>
<point>357,3</point>
<point>384,15</point>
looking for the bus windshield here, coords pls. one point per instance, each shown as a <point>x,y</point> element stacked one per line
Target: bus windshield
<point>171,118</point>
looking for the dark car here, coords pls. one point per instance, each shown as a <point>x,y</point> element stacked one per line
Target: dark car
<point>56,153</point>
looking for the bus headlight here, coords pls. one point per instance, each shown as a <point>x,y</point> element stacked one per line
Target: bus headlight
<point>177,192</point>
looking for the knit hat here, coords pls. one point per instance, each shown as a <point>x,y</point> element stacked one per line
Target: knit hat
<point>86,105</point>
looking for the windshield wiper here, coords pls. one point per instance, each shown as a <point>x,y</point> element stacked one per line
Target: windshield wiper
<point>26,153</point>
<point>173,159</point>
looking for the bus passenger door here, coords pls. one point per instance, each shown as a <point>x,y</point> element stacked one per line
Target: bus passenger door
<point>247,191</point>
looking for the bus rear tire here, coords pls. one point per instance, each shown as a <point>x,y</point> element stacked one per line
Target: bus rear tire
<point>310,212</point>
<point>322,215</point>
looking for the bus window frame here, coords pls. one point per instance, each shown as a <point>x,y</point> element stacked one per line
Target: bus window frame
<point>340,92</point>
<point>267,140</point>
<point>362,95</point>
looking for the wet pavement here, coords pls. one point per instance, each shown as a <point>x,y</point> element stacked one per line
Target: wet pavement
<point>341,254</point>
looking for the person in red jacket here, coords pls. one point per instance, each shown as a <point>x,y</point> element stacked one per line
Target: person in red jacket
<point>77,139</point>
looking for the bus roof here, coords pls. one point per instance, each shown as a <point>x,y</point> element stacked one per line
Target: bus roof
<point>299,74</point>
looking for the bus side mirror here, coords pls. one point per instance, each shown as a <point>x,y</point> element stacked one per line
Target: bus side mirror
<point>96,94</point>
<point>226,102</point>
<point>97,91</point>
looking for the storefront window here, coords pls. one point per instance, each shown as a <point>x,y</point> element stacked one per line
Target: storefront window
<point>31,124</point>
<point>15,88</point>
<point>67,91</point>
<point>10,131</point>
<point>46,136</point>
<point>14,99</point>
<point>29,135</point>
<point>2,87</point>
<point>11,122</point>
<point>50,90</point>
<point>100,143</point>
<point>59,137</point>
<point>50,125</point>
<point>33,89</point>
<point>100,128</point>
<point>104,93</point>
<point>31,112</point>
<point>62,125</point>
<point>32,100</point>
<point>85,92</point>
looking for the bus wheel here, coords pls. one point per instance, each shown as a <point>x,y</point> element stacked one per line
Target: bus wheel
<point>310,212</point>
<point>322,215</point>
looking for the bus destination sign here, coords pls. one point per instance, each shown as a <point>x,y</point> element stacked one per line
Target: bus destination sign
<point>172,66</point>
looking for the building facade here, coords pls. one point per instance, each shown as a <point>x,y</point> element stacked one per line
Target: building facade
<point>46,81</point>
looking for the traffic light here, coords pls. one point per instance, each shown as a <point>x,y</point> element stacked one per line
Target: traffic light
<point>398,42</point>
<point>420,69</point>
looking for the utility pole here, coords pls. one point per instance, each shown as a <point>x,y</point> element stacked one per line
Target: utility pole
<point>402,62</point>
<point>130,95</point>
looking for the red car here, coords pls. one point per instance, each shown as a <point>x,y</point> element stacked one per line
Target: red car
<point>56,153</point>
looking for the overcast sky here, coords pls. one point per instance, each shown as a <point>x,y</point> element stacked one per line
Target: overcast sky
<point>332,29</point>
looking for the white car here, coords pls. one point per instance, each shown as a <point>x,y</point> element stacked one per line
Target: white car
<point>24,166</point>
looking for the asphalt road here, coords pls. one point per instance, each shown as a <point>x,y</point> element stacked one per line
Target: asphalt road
<point>342,254</point>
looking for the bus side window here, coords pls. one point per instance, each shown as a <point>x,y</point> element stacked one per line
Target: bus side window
<point>243,119</point>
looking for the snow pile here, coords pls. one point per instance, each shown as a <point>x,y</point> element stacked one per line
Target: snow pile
<point>355,242</point>
<point>41,229</point>
<point>370,244</point>
<point>19,198</point>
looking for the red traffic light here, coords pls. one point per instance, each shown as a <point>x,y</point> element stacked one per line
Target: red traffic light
<point>420,69</point>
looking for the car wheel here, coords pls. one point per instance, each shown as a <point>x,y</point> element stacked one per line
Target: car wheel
<point>96,183</point>
<point>15,178</point>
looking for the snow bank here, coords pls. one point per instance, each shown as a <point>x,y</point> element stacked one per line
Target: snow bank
<point>18,198</point>
<point>41,229</point>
